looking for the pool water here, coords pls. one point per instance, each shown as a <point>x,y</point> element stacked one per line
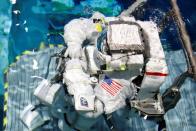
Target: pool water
<point>43,20</point>
<point>40,22</point>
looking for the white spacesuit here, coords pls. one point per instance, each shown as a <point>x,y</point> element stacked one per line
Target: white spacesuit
<point>129,45</point>
<point>106,55</point>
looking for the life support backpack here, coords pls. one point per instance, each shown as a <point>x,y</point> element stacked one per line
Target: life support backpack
<point>123,42</point>
<point>123,37</point>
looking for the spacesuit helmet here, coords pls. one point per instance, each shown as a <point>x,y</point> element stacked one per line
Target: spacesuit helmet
<point>99,20</point>
<point>97,17</point>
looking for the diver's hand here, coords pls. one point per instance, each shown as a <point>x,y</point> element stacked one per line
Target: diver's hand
<point>102,57</point>
<point>113,93</point>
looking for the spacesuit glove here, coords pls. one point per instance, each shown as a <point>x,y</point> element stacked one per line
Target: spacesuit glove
<point>113,93</point>
<point>74,50</point>
<point>102,57</point>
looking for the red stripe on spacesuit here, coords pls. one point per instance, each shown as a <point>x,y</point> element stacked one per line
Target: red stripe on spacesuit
<point>156,74</point>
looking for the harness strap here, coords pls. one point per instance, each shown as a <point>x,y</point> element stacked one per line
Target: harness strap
<point>71,125</point>
<point>108,120</point>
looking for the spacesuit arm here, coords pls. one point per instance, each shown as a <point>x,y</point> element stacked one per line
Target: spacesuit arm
<point>78,85</point>
<point>156,68</point>
<point>75,32</point>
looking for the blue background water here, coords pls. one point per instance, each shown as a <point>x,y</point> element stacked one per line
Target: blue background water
<point>42,17</point>
<point>43,20</point>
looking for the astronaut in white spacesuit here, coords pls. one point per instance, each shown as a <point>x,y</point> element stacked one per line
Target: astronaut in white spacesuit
<point>105,55</point>
<point>124,46</point>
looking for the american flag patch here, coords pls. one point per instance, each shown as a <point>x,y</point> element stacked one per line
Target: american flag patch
<point>111,86</point>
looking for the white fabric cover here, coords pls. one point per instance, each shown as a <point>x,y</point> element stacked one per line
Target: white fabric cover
<point>47,92</point>
<point>31,118</point>
<point>123,34</point>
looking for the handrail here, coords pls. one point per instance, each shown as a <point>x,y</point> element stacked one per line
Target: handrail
<point>186,43</point>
